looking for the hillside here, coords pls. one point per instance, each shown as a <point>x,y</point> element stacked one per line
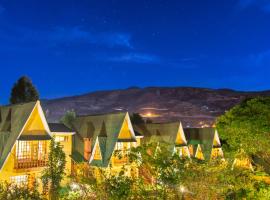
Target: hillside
<point>193,106</point>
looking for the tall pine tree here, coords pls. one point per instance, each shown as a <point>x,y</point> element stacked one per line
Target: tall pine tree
<point>23,91</point>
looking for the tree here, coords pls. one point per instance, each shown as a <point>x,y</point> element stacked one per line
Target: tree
<point>68,119</point>
<point>23,91</point>
<point>54,172</point>
<point>247,126</point>
<point>160,169</point>
<point>118,186</point>
<point>136,119</point>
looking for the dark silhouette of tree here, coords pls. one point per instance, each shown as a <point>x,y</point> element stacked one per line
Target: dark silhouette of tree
<point>137,119</point>
<point>23,91</point>
<point>68,119</point>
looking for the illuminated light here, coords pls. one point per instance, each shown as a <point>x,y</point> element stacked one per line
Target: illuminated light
<point>149,114</point>
<point>182,189</point>
<point>74,186</point>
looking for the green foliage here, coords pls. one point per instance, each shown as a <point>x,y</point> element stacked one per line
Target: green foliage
<point>246,126</point>
<point>23,91</point>
<point>10,191</point>
<point>161,168</point>
<point>54,172</point>
<point>118,186</point>
<point>136,119</point>
<point>68,119</point>
<point>164,176</point>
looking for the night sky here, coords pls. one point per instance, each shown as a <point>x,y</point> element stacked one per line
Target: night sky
<point>72,47</point>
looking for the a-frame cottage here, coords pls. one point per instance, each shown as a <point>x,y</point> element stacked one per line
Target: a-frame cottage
<point>104,140</point>
<point>170,134</point>
<point>24,143</point>
<point>204,143</point>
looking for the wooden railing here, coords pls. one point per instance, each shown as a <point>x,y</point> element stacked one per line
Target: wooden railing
<point>24,164</point>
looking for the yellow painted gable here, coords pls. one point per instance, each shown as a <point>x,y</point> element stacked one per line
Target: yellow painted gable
<point>216,141</point>
<point>180,137</point>
<point>125,132</point>
<point>199,154</point>
<point>180,140</point>
<point>34,123</point>
<point>97,153</point>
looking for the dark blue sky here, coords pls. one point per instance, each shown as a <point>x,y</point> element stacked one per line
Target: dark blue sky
<point>71,47</point>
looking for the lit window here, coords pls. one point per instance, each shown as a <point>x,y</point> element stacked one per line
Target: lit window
<point>23,150</point>
<point>61,138</point>
<point>19,180</point>
<point>119,146</point>
<point>30,154</point>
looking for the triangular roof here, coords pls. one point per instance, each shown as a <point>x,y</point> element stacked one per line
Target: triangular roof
<point>162,133</point>
<point>18,115</point>
<point>104,127</point>
<point>204,137</point>
<point>59,128</point>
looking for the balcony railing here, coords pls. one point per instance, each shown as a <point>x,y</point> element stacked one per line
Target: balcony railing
<point>30,154</point>
<point>24,164</point>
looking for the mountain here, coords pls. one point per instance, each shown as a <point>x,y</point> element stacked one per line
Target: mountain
<point>193,106</point>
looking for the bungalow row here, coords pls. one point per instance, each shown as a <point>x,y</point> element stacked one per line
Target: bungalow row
<point>25,135</point>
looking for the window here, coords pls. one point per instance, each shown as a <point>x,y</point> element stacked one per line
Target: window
<point>19,180</point>
<point>23,150</point>
<point>119,146</point>
<point>123,146</point>
<point>30,154</point>
<point>61,138</point>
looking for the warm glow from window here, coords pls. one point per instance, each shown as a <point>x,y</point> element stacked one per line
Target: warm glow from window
<point>123,146</point>
<point>23,150</point>
<point>61,138</point>
<point>19,180</point>
<point>119,146</point>
<point>30,150</point>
